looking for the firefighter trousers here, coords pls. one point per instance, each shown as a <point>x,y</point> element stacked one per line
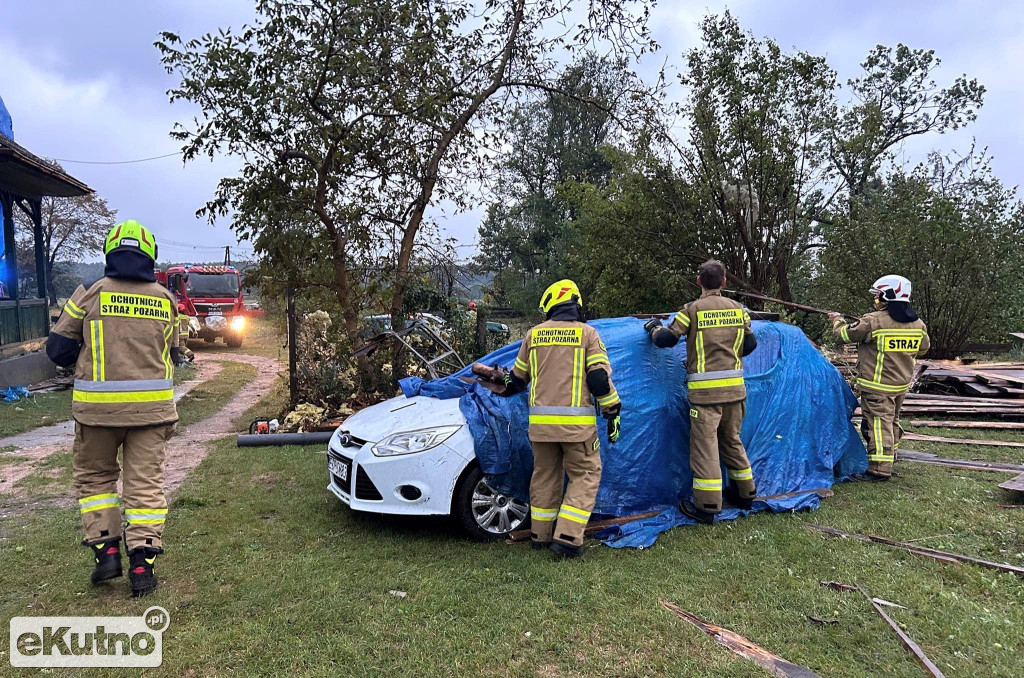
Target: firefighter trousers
<point>96,471</point>
<point>880,426</point>
<point>554,516</point>
<point>714,440</point>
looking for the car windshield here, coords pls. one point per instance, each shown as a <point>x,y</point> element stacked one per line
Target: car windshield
<point>212,285</point>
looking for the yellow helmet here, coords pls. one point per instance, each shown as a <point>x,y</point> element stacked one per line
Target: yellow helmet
<point>131,234</point>
<point>559,293</point>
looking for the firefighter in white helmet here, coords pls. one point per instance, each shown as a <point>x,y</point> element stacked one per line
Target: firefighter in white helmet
<point>888,339</point>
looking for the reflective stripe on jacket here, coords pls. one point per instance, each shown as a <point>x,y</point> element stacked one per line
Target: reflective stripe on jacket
<point>714,327</point>
<point>124,375</point>
<point>887,350</point>
<point>555,358</point>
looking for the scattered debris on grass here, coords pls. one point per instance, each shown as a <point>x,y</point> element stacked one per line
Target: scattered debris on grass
<point>838,586</point>
<point>823,622</point>
<point>775,664</point>
<point>934,554</point>
<point>906,640</point>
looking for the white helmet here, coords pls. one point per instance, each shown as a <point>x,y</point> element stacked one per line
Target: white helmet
<point>892,288</point>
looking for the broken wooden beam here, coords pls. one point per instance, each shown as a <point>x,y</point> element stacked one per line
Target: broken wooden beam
<point>1000,425</point>
<point>960,441</point>
<point>906,640</point>
<point>774,664</point>
<point>935,554</point>
<point>1014,484</point>
<point>965,464</point>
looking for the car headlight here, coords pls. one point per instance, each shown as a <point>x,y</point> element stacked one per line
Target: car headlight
<point>413,441</point>
<point>237,323</point>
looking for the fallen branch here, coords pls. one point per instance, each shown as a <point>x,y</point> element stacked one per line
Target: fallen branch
<point>823,622</point>
<point>773,663</point>
<point>906,640</point>
<point>935,554</point>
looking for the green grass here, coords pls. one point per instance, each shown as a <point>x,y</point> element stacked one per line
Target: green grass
<point>263,336</point>
<point>210,396</point>
<point>1011,455</point>
<point>267,573</point>
<point>29,413</point>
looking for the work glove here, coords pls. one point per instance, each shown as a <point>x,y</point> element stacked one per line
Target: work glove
<point>613,428</point>
<point>652,325</point>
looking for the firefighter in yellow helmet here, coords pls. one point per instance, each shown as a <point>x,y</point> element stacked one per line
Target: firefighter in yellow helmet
<point>718,336</point>
<point>888,340</point>
<point>121,334</point>
<point>565,364</point>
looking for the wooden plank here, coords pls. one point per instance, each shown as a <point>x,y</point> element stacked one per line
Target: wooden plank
<point>1014,484</point>
<point>774,664</point>
<point>960,441</point>
<point>995,425</point>
<point>905,640</point>
<point>967,464</point>
<point>938,409</point>
<point>935,554</point>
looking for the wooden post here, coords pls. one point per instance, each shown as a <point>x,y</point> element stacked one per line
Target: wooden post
<point>293,375</point>
<point>11,259</point>
<point>481,331</point>
<point>36,212</point>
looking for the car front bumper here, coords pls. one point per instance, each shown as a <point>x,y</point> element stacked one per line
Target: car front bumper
<point>383,484</point>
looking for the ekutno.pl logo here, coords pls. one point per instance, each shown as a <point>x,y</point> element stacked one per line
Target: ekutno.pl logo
<point>89,641</point>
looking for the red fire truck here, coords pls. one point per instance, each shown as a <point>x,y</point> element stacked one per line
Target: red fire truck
<point>212,298</point>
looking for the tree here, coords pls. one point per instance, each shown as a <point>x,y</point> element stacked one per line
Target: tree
<point>756,158</point>
<point>73,229</point>
<point>372,112</point>
<point>895,99</point>
<point>949,226</point>
<point>528,237</point>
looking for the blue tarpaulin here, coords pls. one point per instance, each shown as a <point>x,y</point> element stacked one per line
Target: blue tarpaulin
<point>797,429</point>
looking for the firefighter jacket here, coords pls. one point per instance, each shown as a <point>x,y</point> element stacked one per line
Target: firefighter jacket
<point>555,358</point>
<point>124,330</point>
<point>887,350</point>
<point>715,328</point>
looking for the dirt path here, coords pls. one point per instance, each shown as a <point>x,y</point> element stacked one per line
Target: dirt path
<point>185,450</point>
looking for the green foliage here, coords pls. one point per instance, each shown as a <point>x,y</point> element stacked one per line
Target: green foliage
<point>528,237</point>
<point>954,230</point>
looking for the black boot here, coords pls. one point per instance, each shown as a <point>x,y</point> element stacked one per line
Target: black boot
<point>690,509</point>
<point>869,477</point>
<point>108,560</point>
<point>566,550</point>
<point>732,495</point>
<point>140,569</point>
<point>540,545</point>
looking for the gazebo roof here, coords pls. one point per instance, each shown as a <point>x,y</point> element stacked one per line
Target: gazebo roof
<point>29,176</point>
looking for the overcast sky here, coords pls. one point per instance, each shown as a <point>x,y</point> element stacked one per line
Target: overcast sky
<point>83,81</point>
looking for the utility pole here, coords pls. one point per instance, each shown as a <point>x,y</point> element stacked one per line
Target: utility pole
<point>227,255</point>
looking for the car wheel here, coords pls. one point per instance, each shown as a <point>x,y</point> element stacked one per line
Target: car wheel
<point>484,513</point>
<point>234,341</point>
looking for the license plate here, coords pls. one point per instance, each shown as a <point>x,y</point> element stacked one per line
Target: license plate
<point>338,468</point>
<point>214,312</point>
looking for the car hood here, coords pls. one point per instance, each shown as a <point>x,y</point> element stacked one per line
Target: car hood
<point>400,414</point>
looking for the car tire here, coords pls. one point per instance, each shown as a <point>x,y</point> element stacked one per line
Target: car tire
<point>486,522</point>
<point>234,341</point>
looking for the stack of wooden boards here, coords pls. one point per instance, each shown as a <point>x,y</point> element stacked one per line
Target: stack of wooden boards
<point>975,390</point>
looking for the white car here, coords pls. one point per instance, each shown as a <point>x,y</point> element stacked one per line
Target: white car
<point>415,456</point>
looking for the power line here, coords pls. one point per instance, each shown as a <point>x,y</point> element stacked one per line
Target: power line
<point>117,162</point>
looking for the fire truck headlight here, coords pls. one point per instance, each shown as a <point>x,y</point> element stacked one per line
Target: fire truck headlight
<point>238,323</point>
